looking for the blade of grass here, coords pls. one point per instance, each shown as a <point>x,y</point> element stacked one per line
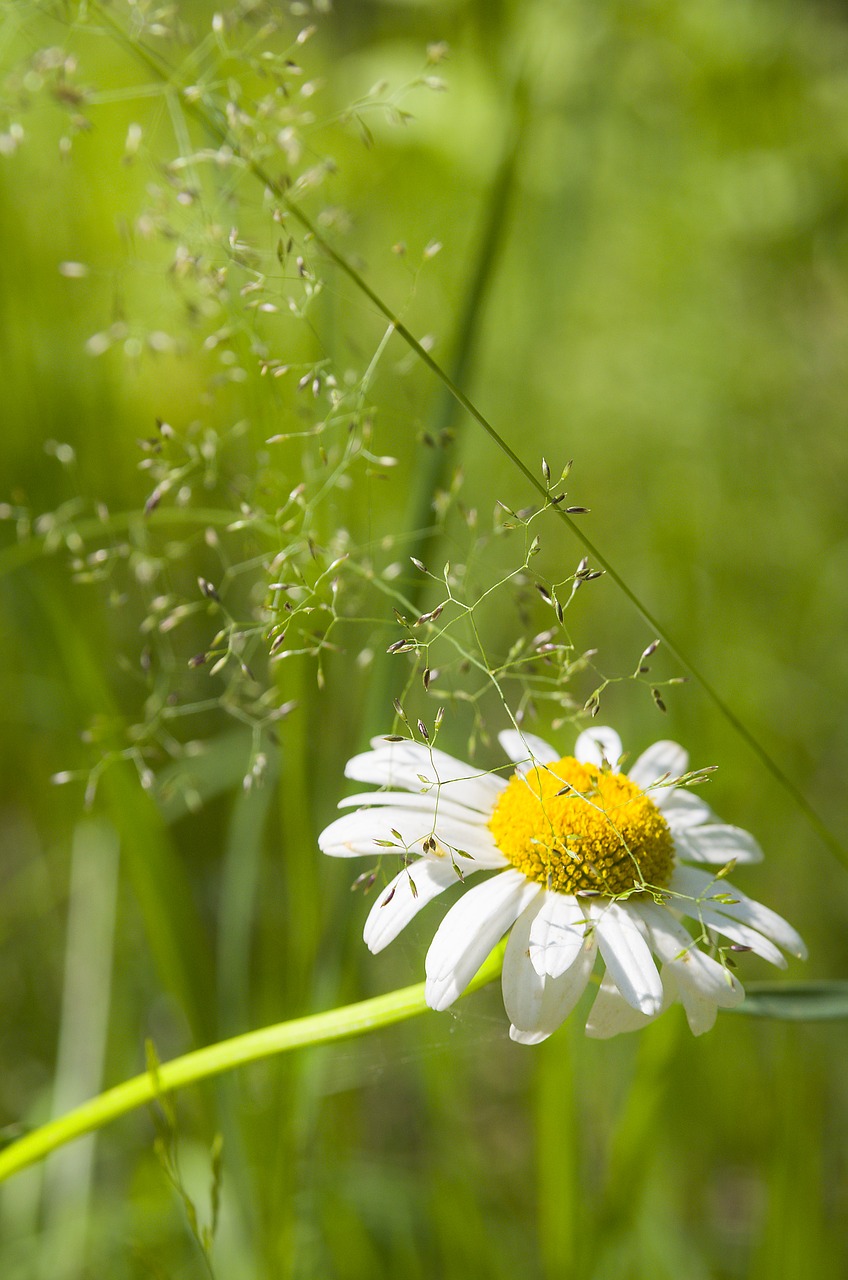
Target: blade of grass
<point>432,471</point>
<point>796,1001</point>
<point>239,912</point>
<point>560,1217</point>
<point>82,1035</point>
<point>289,961</point>
<point>633,1142</point>
<point>240,877</point>
<point>177,941</point>
<point>433,465</point>
<point>796,1239</point>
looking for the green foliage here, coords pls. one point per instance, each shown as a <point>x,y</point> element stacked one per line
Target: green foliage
<point>620,228</point>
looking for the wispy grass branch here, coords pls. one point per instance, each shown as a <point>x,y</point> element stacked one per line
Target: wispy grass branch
<point>204,109</point>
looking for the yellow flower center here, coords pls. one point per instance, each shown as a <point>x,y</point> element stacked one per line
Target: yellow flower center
<point>574,826</point>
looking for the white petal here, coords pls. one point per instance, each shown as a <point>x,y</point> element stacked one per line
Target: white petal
<point>404,764</point>
<point>681,808</point>
<point>526,749</point>
<point>596,745</point>
<point>557,934</point>
<point>725,991</point>
<point>537,1004</point>
<point>523,987</point>
<point>701,1011</point>
<point>359,834</point>
<point>478,842</point>
<point>470,930</point>
<point>718,843</point>
<point>740,933</point>
<point>559,999</point>
<point>694,970</point>
<point>627,956</point>
<point>424,803</point>
<point>356,834</point>
<point>662,758</point>
<point>699,884</point>
<point>396,905</point>
<point>611,1014</point>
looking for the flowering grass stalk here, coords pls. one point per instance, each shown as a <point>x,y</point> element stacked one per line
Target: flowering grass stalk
<point>287,579</point>
<point>213,120</point>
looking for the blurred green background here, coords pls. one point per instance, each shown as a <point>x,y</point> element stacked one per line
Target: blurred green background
<point>641,209</point>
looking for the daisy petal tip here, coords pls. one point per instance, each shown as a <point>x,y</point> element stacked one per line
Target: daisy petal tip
<point>430,998</point>
<point>595,1032</point>
<point>525,748</point>
<point>350,769</point>
<point>703,1021</point>
<point>373,939</point>
<point>598,744</point>
<point>527,1037</point>
<point>439,996</point>
<point>801,952</point>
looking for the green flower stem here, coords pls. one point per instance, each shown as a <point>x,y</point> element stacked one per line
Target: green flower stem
<point>318,1028</point>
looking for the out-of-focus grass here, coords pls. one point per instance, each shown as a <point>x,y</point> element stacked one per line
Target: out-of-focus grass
<point>667,307</point>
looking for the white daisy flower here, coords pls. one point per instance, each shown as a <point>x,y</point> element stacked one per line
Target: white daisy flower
<point>588,861</point>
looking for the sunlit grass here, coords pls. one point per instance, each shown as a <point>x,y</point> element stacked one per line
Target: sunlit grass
<point>641,269</point>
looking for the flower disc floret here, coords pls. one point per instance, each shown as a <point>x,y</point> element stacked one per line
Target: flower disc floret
<point>572,827</point>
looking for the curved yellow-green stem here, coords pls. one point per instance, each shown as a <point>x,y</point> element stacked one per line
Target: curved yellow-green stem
<point>318,1028</point>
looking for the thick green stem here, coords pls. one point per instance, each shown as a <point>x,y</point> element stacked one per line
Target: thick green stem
<point>318,1028</point>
